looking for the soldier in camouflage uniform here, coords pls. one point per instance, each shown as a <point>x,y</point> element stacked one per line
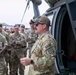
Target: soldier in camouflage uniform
<point>43,51</point>
<point>3,44</point>
<point>6,55</point>
<point>32,36</point>
<point>18,43</point>
<point>23,31</point>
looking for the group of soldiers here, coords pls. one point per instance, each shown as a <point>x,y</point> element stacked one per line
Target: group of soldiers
<point>14,46</point>
<point>38,40</point>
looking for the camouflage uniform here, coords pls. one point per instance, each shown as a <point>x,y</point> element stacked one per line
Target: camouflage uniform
<point>6,55</point>
<point>3,67</point>
<point>18,43</point>
<point>25,34</point>
<point>41,54</point>
<point>6,35</point>
<point>25,49</point>
<point>32,36</point>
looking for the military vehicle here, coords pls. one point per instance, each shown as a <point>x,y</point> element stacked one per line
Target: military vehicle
<point>64,31</point>
<point>63,28</point>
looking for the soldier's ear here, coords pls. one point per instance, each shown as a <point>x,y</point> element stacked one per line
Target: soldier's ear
<point>44,25</point>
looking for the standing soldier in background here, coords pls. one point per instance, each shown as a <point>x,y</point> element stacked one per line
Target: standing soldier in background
<point>6,55</point>
<point>3,45</point>
<point>4,33</point>
<point>18,44</point>
<point>8,31</point>
<point>32,36</point>
<point>12,30</point>
<point>43,51</point>
<point>23,31</point>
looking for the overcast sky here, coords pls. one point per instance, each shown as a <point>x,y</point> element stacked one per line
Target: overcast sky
<point>11,11</point>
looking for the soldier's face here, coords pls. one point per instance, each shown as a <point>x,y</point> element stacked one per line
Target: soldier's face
<point>22,29</point>
<point>39,29</point>
<point>8,31</point>
<point>16,29</point>
<point>32,26</point>
<point>12,30</point>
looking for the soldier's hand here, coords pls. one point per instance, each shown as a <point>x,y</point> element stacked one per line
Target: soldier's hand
<point>25,61</point>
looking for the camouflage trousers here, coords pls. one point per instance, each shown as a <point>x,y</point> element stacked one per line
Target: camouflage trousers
<point>2,66</point>
<point>15,66</point>
<point>15,62</point>
<point>7,59</point>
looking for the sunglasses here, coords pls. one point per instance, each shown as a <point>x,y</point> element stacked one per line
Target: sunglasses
<point>38,24</point>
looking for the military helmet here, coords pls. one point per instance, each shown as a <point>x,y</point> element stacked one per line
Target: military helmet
<point>32,21</point>
<point>23,26</point>
<point>43,20</point>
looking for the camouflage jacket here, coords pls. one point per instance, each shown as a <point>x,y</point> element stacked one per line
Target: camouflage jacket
<point>6,35</point>
<point>17,40</point>
<point>3,41</point>
<point>32,37</point>
<point>42,52</point>
<point>25,34</point>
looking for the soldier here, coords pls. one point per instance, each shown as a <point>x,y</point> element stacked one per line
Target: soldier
<point>3,45</point>
<point>23,31</point>
<point>18,44</point>
<point>43,51</point>
<point>8,31</point>
<point>12,30</point>
<point>6,55</point>
<point>4,33</point>
<point>32,36</point>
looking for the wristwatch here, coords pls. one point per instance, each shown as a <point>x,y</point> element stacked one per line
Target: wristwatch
<point>32,62</point>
